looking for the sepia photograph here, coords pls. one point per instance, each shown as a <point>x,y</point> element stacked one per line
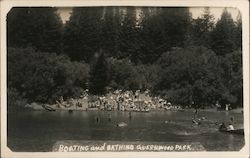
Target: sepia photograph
<point>125,78</point>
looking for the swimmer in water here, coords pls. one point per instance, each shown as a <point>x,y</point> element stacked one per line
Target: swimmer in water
<point>130,115</point>
<point>232,120</point>
<point>97,119</point>
<point>109,119</point>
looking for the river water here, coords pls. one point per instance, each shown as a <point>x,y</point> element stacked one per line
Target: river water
<point>39,130</point>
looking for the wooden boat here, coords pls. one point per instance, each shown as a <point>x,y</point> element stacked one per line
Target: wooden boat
<point>46,107</point>
<point>236,131</point>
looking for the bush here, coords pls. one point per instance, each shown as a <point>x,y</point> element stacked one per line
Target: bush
<point>44,77</point>
<point>191,74</point>
<point>150,75</point>
<point>124,75</point>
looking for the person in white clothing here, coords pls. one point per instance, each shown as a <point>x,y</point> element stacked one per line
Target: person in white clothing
<point>230,127</point>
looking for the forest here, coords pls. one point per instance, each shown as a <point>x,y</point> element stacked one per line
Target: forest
<point>161,49</point>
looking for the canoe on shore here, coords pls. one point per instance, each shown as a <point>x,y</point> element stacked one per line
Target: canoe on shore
<point>236,131</point>
<point>46,107</point>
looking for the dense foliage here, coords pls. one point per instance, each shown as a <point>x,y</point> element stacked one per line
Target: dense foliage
<point>164,50</point>
<point>191,75</point>
<point>39,28</point>
<point>98,75</point>
<point>43,77</point>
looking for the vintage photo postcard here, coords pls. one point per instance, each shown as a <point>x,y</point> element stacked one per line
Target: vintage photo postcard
<point>124,78</point>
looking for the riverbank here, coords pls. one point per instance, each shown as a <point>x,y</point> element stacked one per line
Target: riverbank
<point>84,107</point>
<point>37,106</point>
<point>118,100</point>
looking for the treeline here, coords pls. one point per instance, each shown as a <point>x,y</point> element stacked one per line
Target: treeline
<point>164,50</point>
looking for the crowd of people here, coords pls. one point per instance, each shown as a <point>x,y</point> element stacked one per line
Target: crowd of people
<point>122,100</point>
<point>129,101</point>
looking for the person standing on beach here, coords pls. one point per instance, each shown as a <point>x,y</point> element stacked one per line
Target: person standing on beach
<point>196,110</point>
